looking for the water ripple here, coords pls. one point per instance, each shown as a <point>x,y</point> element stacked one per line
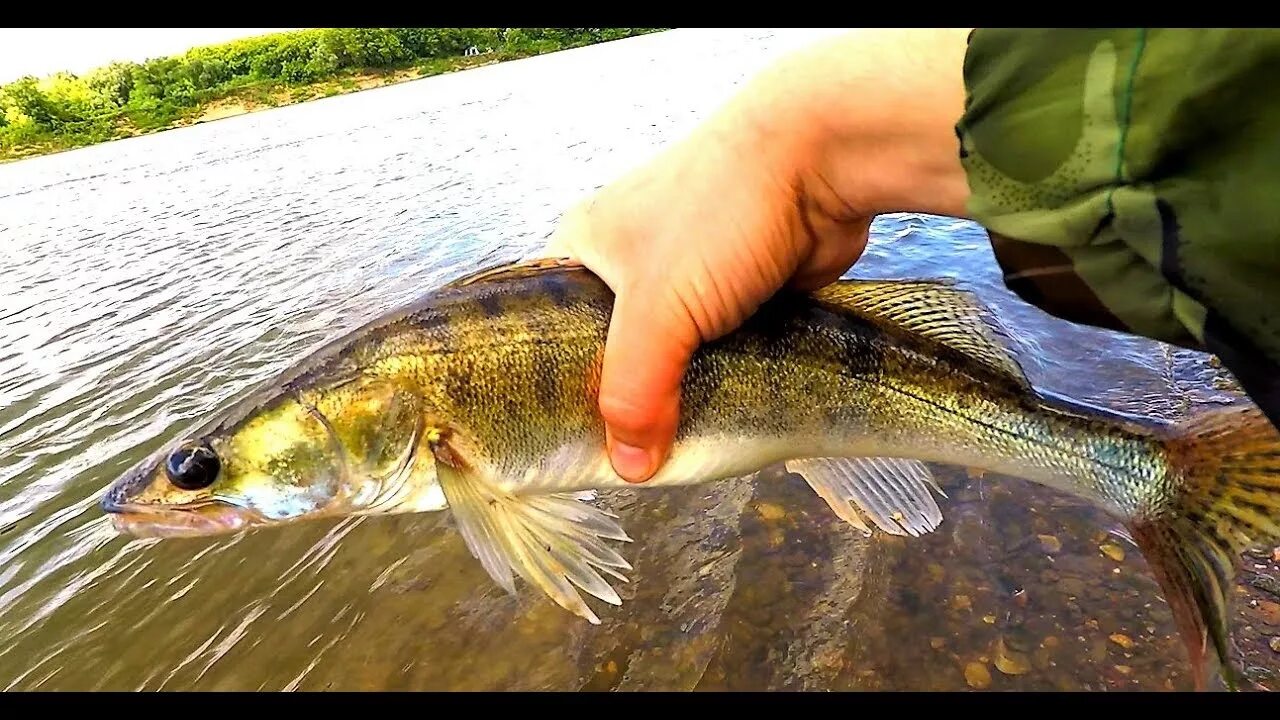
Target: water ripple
<point>149,281</point>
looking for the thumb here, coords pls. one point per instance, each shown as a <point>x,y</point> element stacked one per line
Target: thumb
<point>647,351</point>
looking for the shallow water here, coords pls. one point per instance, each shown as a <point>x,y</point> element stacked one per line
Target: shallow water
<point>149,281</point>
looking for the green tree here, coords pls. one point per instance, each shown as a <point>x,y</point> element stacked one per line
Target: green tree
<point>25,96</point>
<point>68,110</point>
<point>113,82</point>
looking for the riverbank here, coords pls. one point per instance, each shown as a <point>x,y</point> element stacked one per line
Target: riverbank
<point>246,96</point>
<point>264,96</point>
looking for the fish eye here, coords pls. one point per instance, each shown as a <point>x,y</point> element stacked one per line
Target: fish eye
<point>193,466</point>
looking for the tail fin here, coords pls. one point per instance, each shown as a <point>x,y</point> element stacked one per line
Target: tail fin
<point>1225,469</point>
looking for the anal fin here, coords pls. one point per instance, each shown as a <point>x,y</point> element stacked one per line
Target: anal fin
<point>896,494</point>
<point>553,541</point>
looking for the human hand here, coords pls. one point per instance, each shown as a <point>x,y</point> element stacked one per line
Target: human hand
<point>764,195</point>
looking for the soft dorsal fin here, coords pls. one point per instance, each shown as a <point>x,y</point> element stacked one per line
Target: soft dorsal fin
<point>513,270</point>
<point>933,309</point>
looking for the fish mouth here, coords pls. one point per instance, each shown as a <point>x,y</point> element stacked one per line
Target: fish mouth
<point>210,517</point>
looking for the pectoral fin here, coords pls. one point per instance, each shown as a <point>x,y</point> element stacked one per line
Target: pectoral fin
<point>896,494</point>
<point>553,541</point>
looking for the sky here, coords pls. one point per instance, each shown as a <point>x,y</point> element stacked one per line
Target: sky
<point>44,51</point>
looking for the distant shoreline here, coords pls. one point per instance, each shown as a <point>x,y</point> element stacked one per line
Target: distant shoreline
<point>271,93</point>
<point>264,97</point>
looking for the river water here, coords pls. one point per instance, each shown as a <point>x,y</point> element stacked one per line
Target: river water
<point>150,280</point>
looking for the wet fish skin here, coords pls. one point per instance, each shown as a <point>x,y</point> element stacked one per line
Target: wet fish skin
<point>480,398</point>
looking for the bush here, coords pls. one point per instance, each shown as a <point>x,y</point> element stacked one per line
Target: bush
<point>160,90</point>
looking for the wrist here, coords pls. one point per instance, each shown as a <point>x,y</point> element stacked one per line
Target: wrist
<point>865,123</point>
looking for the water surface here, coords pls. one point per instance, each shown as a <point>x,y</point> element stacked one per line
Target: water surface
<point>149,281</point>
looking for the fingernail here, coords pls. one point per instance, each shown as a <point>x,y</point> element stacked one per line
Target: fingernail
<point>632,463</point>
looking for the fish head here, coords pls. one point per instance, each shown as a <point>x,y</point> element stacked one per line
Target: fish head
<point>318,450</point>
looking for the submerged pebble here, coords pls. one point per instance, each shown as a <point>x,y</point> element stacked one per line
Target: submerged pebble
<point>1112,551</point>
<point>1266,583</point>
<point>1122,640</point>
<point>770,511</point>
<point>1050,544</point>
<point>977,676</point>
<point>1270,612</point>
<point>1071,586</point>
<point>1010,661</point>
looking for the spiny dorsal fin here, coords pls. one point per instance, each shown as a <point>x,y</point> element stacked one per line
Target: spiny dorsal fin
<point>514,270</point>
<point>896,493</point>
<point>934,309</point>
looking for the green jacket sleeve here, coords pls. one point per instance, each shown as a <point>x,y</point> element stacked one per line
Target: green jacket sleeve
<point>1130,179</point>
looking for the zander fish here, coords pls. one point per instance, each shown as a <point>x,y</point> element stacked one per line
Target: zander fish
<point>481,398</point>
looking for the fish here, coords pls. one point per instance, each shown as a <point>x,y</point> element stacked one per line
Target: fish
<point>479,398</point>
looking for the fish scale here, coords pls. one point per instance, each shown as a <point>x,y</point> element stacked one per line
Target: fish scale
<point>480,399</point>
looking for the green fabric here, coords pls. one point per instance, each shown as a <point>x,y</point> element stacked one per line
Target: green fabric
<point>1130,178</point>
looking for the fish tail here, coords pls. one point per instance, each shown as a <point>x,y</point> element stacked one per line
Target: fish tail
<point>1225,471</point>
